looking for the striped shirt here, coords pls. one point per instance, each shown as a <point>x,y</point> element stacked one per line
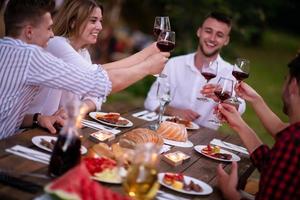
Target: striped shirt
<point>24,67</point>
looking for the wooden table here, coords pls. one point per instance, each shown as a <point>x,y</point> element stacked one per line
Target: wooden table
<point>197,166</point>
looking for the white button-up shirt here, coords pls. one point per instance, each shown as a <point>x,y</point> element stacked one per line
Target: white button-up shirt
<point>187,81</point>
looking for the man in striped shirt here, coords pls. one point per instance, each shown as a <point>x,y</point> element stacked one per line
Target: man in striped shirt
<point>24,66</point>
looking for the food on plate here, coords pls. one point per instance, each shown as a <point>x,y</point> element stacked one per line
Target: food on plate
<point>97,165</point>
<point>112,117</point>
<point>176,180</point>
<point>178,120</point>
<point>76,184</point>
<point>103,150</point>
<point>49,145</point>
<point>103,168</point>
<point>139,136</point>
<point>173,131</point>
<point>214,151</point>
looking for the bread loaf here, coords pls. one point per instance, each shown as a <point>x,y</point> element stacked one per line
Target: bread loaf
<point>172,131</point>
<point>139,136</point>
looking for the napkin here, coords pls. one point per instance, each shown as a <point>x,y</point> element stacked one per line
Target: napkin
<point>230,146</point>
<point>97,126</point>
<point>140,114</point>
<point>164,148</point>
<point>29,154</point>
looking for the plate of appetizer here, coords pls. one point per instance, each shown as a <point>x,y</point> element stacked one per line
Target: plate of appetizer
<point>47,143</point>
<point>216,153</point>
<point>111,119</point>
<point>184,184</point>
<point>103,169</point>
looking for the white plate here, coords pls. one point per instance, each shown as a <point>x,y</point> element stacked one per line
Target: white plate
<point>193,126</point>
<point>37,142</point>
<point>178,144</point>
<point>235,157</point>
<point>207,189</point>
<point>93,115</point>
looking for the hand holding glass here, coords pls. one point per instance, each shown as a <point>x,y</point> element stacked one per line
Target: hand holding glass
<point>223,91</point>
<point>209,72</point>
<point>241,71</point>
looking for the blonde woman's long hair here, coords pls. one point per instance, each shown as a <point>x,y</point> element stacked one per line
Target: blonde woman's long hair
<point>72,15</point>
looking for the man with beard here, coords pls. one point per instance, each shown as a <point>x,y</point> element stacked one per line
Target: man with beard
<point>278,166</point>
<point>185,78</point>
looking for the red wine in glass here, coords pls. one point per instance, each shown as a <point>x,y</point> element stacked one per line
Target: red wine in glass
<point>240,75</point>
<point>165,46</point>
<point>222,95</point>
<point>208,75</point>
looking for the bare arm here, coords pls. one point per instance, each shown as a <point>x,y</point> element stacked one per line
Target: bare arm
<point>133,59</point>
<point>272,123</point>
<point>123,77</point>
<point>247,135</point>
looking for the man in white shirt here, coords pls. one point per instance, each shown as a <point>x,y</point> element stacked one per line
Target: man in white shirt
<point>24,66</point>
<point>184,74</point>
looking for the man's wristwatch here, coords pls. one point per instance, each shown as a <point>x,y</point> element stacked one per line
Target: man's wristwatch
<point>35,122</point>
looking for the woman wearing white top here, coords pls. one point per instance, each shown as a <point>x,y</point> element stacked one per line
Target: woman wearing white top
<point>77,25</point>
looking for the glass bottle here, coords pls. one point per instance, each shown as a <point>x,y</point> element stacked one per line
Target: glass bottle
<point>66,153</point>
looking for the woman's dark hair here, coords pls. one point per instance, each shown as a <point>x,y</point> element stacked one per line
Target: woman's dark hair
<point>20,12</point>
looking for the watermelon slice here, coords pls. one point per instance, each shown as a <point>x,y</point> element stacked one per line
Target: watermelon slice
<point>77,185</point>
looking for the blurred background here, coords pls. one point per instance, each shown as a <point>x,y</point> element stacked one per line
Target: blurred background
<point>265,32</point>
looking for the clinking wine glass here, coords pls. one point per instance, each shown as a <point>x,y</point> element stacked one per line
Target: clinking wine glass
<point>141,182</point>
<point>161,23</point>
<point>166,41</point>
<point>208,71</point>
<point>223,91</point>
<point>241,70</point>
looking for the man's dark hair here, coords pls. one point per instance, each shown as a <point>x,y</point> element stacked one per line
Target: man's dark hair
<point>294,68</point>
<point>220,16</point>
<point>20,12</point>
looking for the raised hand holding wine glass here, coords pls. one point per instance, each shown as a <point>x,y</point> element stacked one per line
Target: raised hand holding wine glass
<point>223,91</point>
<point>161,23</point>
<point>208,71</point>
<point>241,70</point>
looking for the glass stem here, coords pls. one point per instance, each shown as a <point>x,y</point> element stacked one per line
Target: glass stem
<point>160,114</point>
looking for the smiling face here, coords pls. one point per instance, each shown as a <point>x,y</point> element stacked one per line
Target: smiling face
<point>89,30</point>
<point>213,35</point>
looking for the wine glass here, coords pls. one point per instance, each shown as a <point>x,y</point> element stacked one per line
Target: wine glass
<point>166,41</point>
<point>223,91</point>
<point>164,95</point>
<point>141,182</point>
<point>208,71</point>
<point>161,23</point>
<point>241,70</point>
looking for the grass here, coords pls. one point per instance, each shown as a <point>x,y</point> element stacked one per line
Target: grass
<point>268,68</point>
